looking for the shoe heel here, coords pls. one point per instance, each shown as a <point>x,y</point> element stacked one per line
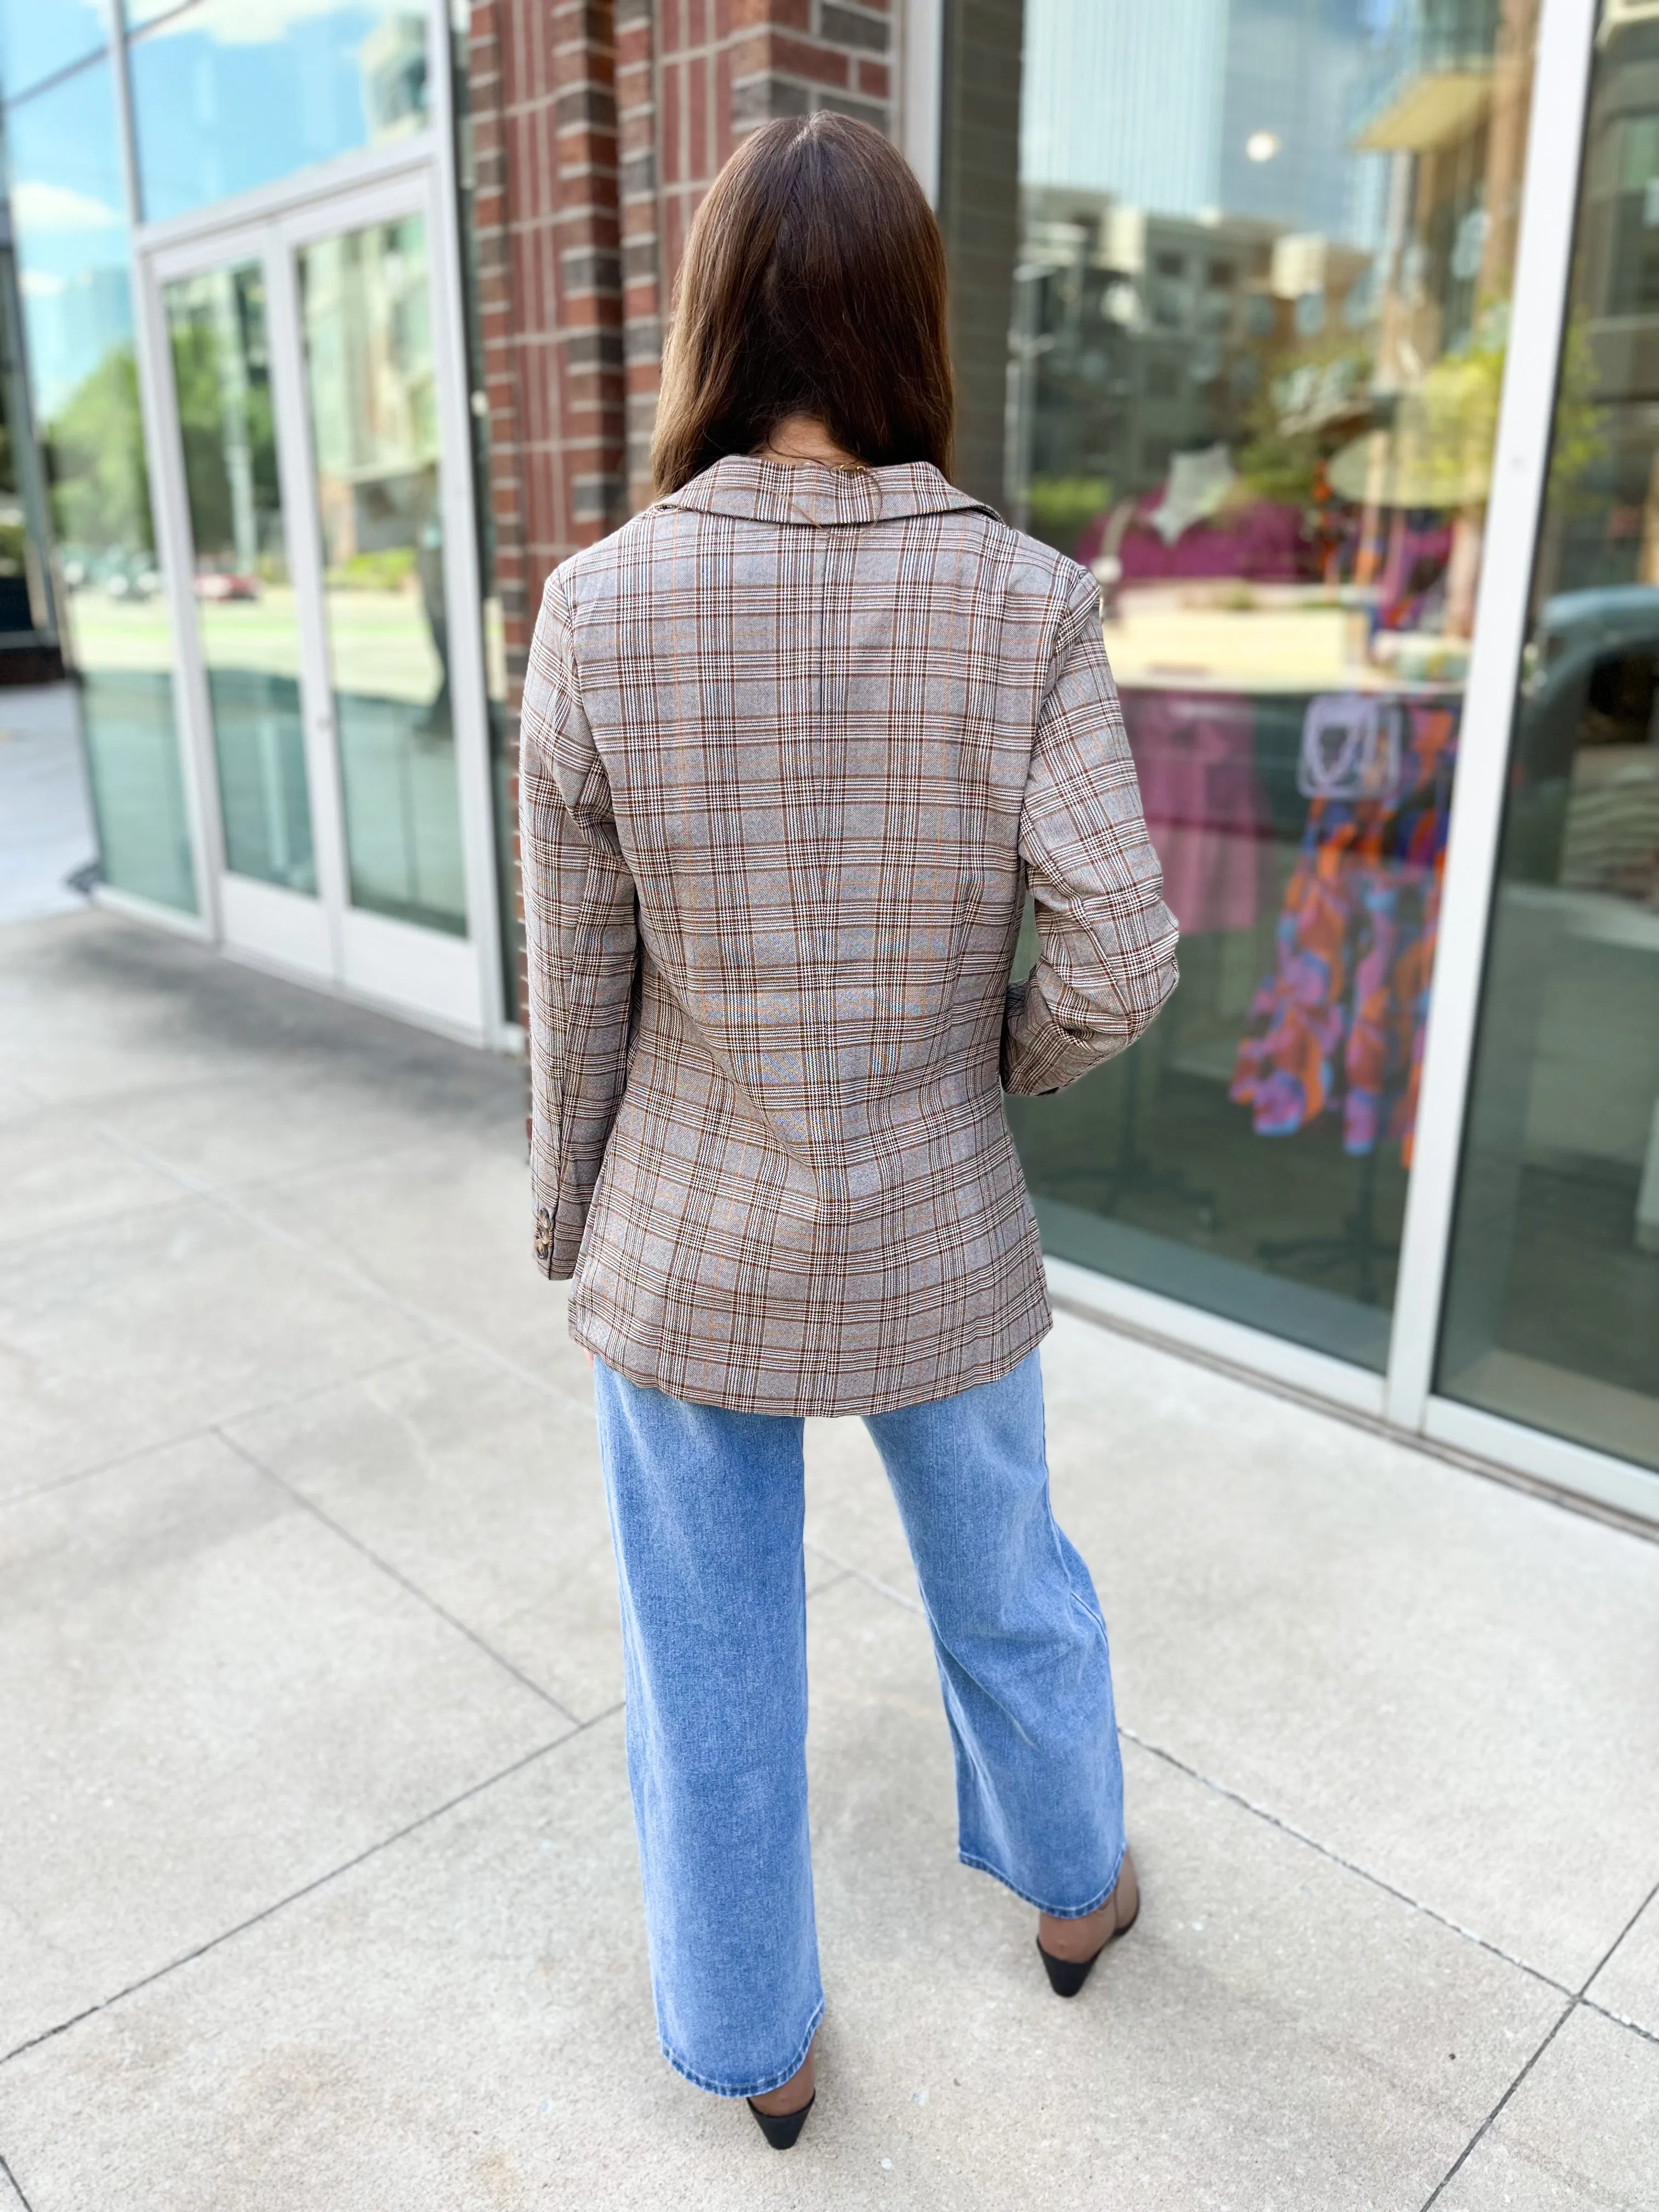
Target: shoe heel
<point>1067,1976</point>
<point>781,2129</point>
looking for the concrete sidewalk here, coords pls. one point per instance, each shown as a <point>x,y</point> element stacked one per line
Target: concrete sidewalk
<point>317,1879</point>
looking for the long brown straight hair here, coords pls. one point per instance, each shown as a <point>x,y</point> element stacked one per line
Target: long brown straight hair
<point>813,283</point>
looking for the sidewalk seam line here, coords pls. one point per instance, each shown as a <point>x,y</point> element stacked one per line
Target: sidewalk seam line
<point>1578,2000</point>
<point>871,1582</point>
<point>17,2188</point>
<point>1469,2147</point>
<point>349,1272</point>
<point>394,1574</point>
<point>1620,2020</point>
<point>1350,1866</point>
<point>307,1889</point>
<point>207,1428</point>
<point>1515,1479</point>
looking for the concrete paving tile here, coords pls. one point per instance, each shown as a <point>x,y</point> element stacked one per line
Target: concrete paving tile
<point>1581,2134</point>
<point>211,1701</point>
<point>1446,1682</point>
<point>245,1129</point>
<point>92,1007</point>
<point>464,2020</point>
<point>1628,1986</point>
<point>850,1514</point>
<point>56,1170</point>
<point>447,1227</point>
<point>485,1494</point>
<point>121,1334</point>
<point>90,1003</point>
<point>17,1103</point>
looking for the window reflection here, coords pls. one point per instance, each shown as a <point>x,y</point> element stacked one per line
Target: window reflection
<point>1258,320</point>
<point>38,41</point>
<point>245,618</point>
<point>232,93</point>
<point>65,191</point>
<point>1552,1313</point>
<point>369,378</point>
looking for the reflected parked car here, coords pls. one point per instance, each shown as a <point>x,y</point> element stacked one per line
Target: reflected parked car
<point>217,584</point>
<point>1591,686</point>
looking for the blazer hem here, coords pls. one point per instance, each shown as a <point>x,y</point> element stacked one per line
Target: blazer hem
<point>844,1395</point>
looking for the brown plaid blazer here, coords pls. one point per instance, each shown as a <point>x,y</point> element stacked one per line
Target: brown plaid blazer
<point>795,742</point>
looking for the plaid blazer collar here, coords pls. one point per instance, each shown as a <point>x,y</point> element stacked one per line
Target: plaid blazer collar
<point>810,493</point>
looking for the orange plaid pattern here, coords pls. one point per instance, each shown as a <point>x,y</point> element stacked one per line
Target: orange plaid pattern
<point>795,742</point>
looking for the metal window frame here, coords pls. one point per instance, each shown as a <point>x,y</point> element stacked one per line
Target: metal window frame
<point>919,109</point>
<point>1566,34</point>
<point>201,813</point>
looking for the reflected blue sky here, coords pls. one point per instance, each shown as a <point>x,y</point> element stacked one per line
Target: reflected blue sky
<point>230,94</point>
<point>38,37</point>
<point>70,229</point>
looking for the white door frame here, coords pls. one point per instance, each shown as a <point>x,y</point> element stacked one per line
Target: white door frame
<point>452,984</point>
<point>1520,464</point>
<point>287,930</point>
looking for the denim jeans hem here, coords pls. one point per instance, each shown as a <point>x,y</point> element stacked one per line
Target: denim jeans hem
<point>1054,1911</point>
<point>767,2083</point>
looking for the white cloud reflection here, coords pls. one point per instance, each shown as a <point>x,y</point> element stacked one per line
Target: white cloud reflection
<point>37,207</point>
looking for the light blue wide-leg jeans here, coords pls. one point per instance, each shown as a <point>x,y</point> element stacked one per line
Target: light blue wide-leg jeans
<point>707,1508</point>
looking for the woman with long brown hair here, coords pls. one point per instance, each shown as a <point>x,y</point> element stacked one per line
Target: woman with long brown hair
<point>797,743</point>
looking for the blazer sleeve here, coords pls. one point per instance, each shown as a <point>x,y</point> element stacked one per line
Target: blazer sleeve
<point>581,941</point>
<point>1106,942</point>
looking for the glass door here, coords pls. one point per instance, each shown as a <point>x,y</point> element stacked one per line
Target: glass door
<point>313,466</point>
<point>246,625</point>
<point>372,416</point>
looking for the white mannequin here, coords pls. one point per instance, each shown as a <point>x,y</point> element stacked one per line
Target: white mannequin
<point>1198,483</point>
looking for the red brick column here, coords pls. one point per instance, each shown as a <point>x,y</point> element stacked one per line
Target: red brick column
<point>548,247</point>
<point>640,206</point>
<point>726,65</point>
<point>597,126</point>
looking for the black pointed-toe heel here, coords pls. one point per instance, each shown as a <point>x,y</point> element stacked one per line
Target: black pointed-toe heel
<point>781,2129</point>
<point>1067,1976</point>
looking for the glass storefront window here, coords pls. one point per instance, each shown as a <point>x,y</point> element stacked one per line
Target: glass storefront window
<point>232,93</point>
<point>71,240</point>
<point>1552,1307</point>
<point>27,610</point>
<point>1257,312</point>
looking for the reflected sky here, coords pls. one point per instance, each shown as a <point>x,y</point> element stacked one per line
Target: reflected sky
<point>40,37</point>
<point>230,94</point>
<point>66,206</point>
